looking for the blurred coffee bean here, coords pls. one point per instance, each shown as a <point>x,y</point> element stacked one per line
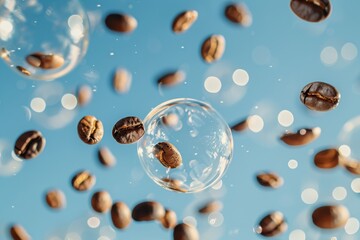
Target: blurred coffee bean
<point>105,157</point>
<point>90,130</point>
<point>169,220</point>
<point>84,95</point>
<point>330,217</point>
<point>327,158</point>
<point>311,10</point>
<point>272,225</point>
<point>210,207</point>
<point>174,184</point>
<point>352,166</point>
<point>128,130</point>
<point>183,231</point>
<point>213,48</point>
<point>269,179</point>
<point>5,54</point>
<point>101,201</point>
<point>320,96</point>
<point>23,70</point>
<point>29,144</point>
<point>240,126</point>
<point>55,199</point>
<point>301,137</point>
<point>120,215</point>
<point>170,120</point>
<point>17,232</point>
<point>238,13</point>
<point>171,79</point>
<point>168,155</point>
<point>184,21</point>
<point>45,61</point>
<point>120,22</point>
<point>83,181</point>
<point>122,80</point>
<point>148,211</point>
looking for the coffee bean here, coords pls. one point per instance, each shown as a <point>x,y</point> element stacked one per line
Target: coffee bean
<point>83,181</point>
<point>272,225</point>
<point>183,231</point>
<point>128,130</point>
<point>240,126</point>
<point>23,70</point>
<point>174,184</point>
<point>328,158</point>
<point>311,10</point>
<point>90,130</point>
<point>269,179</point>
<point>171,79</point>
<point>184,21</point>
<point>45,61</point>
<point>105,157</point>
<point>210,207</point>
<point>168,155</point>
<point>330,217</point>
<point>29,144</point>
<point>120,22</point>
<point>239,14</point>
<point>320,96</point>
<point>213,48</point>
<point>17,232</point>
<point>120,215</point>
<point>101,201</point>
<point>148,211</point>
<point>170,120</point>
<point>5,54</point>
<point>84,95</point>
<point>122,80</point>
<point>55,199</point>
<point>169,219</point>
<point>302,137</point>
<point>352,166</point>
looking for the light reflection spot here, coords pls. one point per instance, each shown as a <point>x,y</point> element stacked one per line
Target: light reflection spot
<point>309,196</point>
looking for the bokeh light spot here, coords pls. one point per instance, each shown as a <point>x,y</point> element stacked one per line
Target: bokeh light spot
<point>212,84</point>
<point>38,105</point>
<point>240,77</point>
<point>285,118</point>
<point>309,196</point>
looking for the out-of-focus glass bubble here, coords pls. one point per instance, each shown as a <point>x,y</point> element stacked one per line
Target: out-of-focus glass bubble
<point>202,138</point>
<point>42,39</point>
<point>350,136</point>
<point>10,164</point>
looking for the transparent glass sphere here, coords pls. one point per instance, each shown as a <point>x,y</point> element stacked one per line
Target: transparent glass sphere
<point>199,135</point>
<point>42,39</point>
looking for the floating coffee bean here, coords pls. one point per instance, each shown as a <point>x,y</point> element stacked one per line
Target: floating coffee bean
<point>330,217</point>
<point>83,181</point>
<point>128,130</point>
<point>272,225</point>
<point>148,211</point>
<point>213,48</point>
<point>311,10</point>
<point>184,231</point>
<point>171,79</point>
<point>120,215</point>
<point>106,158</point>
<point>29,144</point>
<point>320,96</point>
<point>5,54</point>
<point>55,199</point>
<point>169,219</point>
<point>352,166</point>
<point>328,158</point>
<point>120,22</point>
<point>269,179</point>
<point>90,130</point>
<point>168,155</point>
<point>238,13</point>
<point>122,80</point>
<point>23,70</point>
<point>45,61</point>
<point>170,120</point>
<point>184,21</point>
<point>84,94</point>
<point>302,137</point>
<point>241,126</point>
<point>101,201</point>
<point>174,184</point>
<point>210,207</point>
<point>17,232</point>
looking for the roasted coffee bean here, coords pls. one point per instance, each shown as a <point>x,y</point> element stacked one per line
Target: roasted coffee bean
<point>55,199</point>
<point>169,219</point>
<point>320,96</point>
<point>5,54</point>
<point>122,80</point>
<point>172,78</point>
<point>120,22</point>
<point>238,13</point>
<point>90,130</point>
<point>213,48</point>
<point>83,181</point>
<point>311,10</point>
<point>170,120</point>
<point>174,184</point>
<point>84,95</point>
<point>241,126</point>
<point>352,166</point>
<point>128,130</point>
<point>106,158</point>
<point>101,201</point>
<point>23,70</point>
<point>167,154</point>
<point>45,61</point>
<point>210,207</point>
<point>330,217</point>
<point>272,225</point>
<point>328,158</point>
<point>120,215</point>
<point>17,232</point>
<point>183,231</point>
<point>302,137</point>
<point>184,21</point>
<point>148,211</point>
<point>29,144</point>
<point>269,179</point>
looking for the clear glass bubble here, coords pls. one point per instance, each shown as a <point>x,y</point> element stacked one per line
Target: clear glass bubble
<point>202,138</point>
<point>42,39</point>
